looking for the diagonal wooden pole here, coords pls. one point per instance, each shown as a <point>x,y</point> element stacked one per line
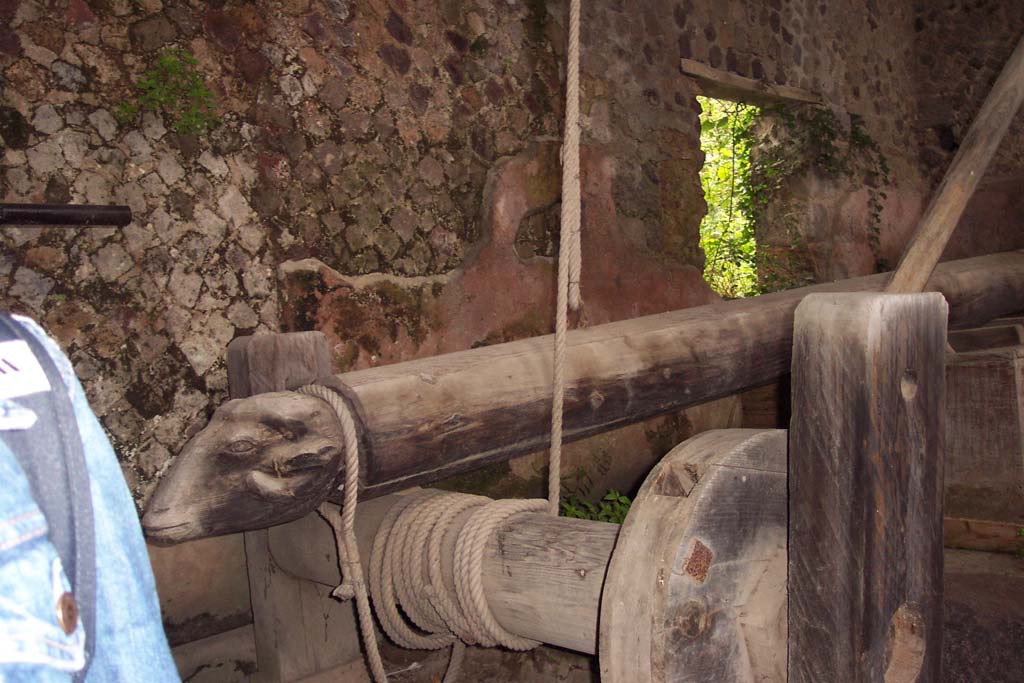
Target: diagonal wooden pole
<point>962,178</point>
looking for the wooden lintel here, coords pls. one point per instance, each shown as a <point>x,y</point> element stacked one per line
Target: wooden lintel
<point>716,82</point>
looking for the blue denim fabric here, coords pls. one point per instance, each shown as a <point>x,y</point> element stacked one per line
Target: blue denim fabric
<point>130,645</point>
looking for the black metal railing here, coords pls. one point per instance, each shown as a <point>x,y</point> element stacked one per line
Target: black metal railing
<point>64,214</point>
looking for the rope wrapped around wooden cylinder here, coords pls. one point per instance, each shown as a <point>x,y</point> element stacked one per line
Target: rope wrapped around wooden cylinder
<point>405,564</point>
<point>406,573</point>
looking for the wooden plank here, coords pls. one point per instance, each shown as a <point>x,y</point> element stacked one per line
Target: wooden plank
<point>987,337</point>
<point>1006,320</point>
<point>299,628</point>
<point>984,535</point>
<point>696,588</point>
<point>424,420</point>
<point>965,172</point>
<point>718,83</point>
<point>865,484</point>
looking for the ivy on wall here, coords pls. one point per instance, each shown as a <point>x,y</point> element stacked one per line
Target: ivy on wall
<point>812,140</point>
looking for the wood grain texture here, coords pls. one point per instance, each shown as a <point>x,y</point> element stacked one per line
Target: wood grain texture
<point>965,172</point>
<point>276,362</point>
<point>983,535</point>
<point>427,419</point>
<point>299,629</point>
<point>986,337</point>
<point>696,588</point>
<point>865,488</point>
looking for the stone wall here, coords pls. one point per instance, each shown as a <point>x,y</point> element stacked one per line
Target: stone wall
<point>959,50</point>
<point>350,132</point>
<point>858,58</point>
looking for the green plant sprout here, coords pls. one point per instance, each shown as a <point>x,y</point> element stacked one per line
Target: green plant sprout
<point>174,87</point>
<point>613,508</point>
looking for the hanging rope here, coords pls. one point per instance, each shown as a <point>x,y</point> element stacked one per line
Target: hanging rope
<point>414,530</point>
<point>569,254</point>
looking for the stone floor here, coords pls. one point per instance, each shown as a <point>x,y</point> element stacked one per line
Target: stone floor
<point>984,641</point>
<point>984,637</point>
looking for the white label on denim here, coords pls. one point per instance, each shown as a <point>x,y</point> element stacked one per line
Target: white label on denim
<point>20,372</point>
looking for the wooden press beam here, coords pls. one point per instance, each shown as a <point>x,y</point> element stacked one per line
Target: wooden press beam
<point>424,420</point>
<point>962,178</point>
<point>865,489</point>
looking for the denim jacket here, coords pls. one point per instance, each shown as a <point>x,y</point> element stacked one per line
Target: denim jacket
<point>130,645</point>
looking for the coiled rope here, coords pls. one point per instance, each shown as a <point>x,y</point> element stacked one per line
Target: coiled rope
<point>413,531</point>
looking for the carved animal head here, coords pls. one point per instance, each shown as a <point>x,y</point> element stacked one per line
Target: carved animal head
<point>261,460</point>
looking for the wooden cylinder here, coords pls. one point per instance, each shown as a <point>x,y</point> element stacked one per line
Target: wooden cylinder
<point>542,574</point>
<point>427,419</point>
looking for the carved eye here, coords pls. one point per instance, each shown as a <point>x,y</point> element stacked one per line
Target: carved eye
<point>241,447</point>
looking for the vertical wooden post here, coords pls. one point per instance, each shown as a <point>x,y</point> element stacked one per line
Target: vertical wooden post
<point>300,630</point>
<point>865,489</point>
<point>276,362</point>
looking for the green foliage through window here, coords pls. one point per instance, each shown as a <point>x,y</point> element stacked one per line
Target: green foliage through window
<point>727,231</point>
<point>174,87</point>
<point>754,161</point>
<point>613,507</point>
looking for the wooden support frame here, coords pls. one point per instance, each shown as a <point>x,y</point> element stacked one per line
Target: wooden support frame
<point>865,489</point>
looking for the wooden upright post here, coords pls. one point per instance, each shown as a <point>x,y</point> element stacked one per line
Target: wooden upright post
<point>865,489</point>
<point>299,629</point>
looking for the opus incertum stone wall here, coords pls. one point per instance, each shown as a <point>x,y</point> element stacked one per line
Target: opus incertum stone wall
<point>357,133</point>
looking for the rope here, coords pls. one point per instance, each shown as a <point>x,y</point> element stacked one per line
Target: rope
<point>406,569</point>
<point>352,582</point>
<point>406,560</point>
<point>569,255</point>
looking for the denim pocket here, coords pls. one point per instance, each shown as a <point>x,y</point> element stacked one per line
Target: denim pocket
<point>32,582</point>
